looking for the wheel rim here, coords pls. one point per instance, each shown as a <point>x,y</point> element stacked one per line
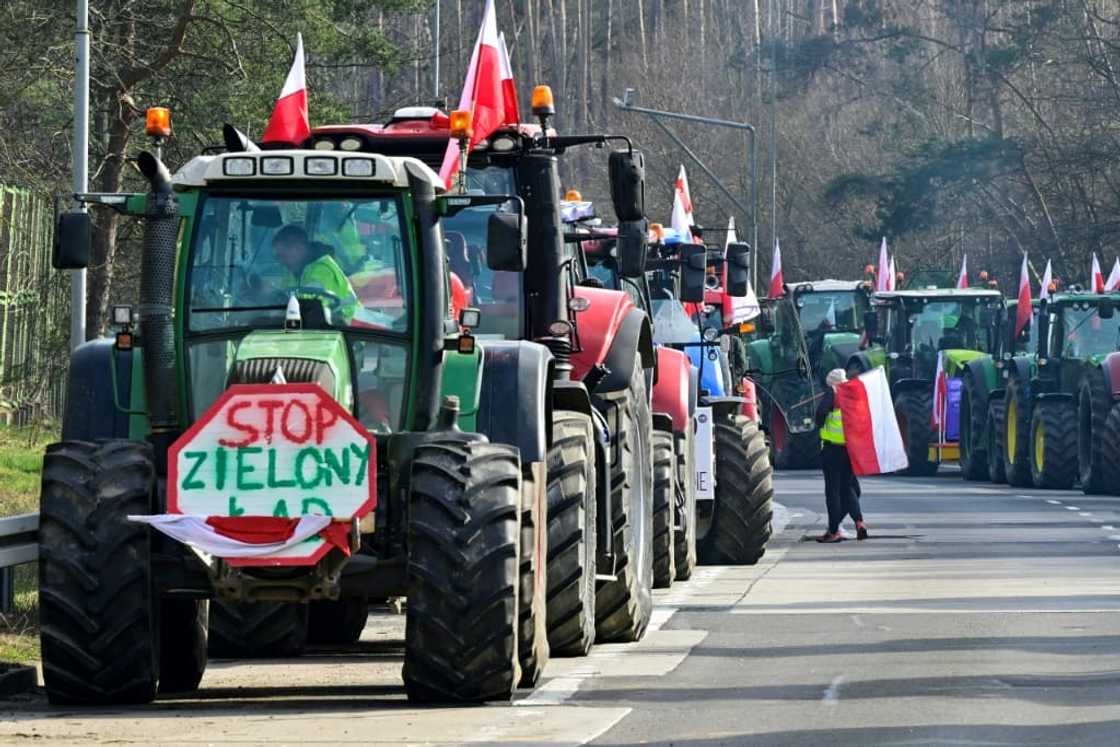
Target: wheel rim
<point>1012,429</point>
<point>1039,446</point>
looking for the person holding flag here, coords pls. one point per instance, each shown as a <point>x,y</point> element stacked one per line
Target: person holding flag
<point>841,487</point>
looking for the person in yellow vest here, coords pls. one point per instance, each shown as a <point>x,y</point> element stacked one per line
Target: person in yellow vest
<point>311,268</point>
<point>841,488</point>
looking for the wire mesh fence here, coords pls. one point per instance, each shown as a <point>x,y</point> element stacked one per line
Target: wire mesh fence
<point>34,311</point>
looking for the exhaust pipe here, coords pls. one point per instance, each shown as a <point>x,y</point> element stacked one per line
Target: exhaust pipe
<point>157,278</point>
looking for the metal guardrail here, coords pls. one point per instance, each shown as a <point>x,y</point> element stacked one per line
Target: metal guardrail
<point>19,544</point>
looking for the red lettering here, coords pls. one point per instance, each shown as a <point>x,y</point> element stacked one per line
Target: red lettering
<point>325,417</point>
<point>252,434</point>
<point>270,406</point>
<point>286,422</point>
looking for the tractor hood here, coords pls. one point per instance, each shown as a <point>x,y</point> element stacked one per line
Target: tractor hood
<point>301,356</point>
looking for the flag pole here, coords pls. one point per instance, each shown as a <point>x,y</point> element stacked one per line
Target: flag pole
<point>80,163</point>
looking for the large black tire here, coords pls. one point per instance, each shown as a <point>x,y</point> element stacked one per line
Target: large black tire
<point>337,622</point>
<point>257,630</point>
<point>98,608</point>
<point>684,535</point>
<point>914,410</point>
<point>744,492</point>
<point>1093,405</point>
<point>532,598</point>
<point>623,605</point>
<point>571,535</point>
<point>182,644</point>
<point>1016,436</point>
<point>994,430</point>
<point>463,573</point>
<point>1111,439</point>
<point>664,504</point>
<point>791,450</point>
<point>1054,445</point>
<point>974,441</point>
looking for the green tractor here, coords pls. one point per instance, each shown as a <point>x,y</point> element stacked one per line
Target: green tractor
<point>242,295</point>
<point>1059,420</point>
<point>919,329</point>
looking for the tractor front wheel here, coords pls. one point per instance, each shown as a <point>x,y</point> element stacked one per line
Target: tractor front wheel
<point>995,430</point>
<point>337,622</point>
<point>740,526</point>
<point>1053,445</point>
<point>183,625</point>
<point>1111,439</point>
<point>914,410</point>
<point>974,444</point>
<point>664,501</point>
<point>1017,436</point>
<point>257,630</point>
<point>463,573</point>
<point>1093,405</point>
<point>532,638</point>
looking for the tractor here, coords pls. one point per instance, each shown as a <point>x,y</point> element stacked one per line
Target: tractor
<point>923,329</point>
<point>600,524</point>
<point>275,283</point>
<point>1058,421</point>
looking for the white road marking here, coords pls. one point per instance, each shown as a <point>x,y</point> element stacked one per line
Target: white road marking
<point>1114,537</point>
<point>857,621</point>
<point>1095,520</point>
<point>1108,527</point>
<point>831,695</point>
<point>1073,508</point>
<point>1053,502</point>
<point>1083,513</point>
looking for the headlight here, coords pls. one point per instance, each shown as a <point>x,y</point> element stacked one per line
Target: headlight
<point>320,166</point>
<point>277,166</point>
<point>351,143</point>
<point>239,167</point>
<point>357,167</point>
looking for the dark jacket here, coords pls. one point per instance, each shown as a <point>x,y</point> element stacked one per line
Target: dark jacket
<point>827,405</point>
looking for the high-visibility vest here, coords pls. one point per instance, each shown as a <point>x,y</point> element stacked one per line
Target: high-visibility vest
<point>325,274</point>
<point>833,429</point>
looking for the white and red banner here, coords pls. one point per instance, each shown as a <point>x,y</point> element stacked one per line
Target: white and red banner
<point>741,309</point>
<point>777,282</point>
<point>289,123</point>
<point>509,87</point>
<point>882,279</point>
<point>892,277</point>
<point>1047,279</point>
<point>249,536</point>
<point>483,92</point>
<point>1096,282</point>
<point>871,431</point>
<point>1023,308</point>
<point>962,278</point>
<point>1113,282</point>
<point>940,391</point>
<point>682,220</point>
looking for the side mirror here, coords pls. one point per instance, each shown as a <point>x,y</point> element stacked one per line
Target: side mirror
<point>738,268</point>
<point>631,246</point>
<point>506,242</point>
<point>871,324</point>
<point>694,271</point>
<point>72,239</point>
<point>628,184</point>
<point>1106,309</point>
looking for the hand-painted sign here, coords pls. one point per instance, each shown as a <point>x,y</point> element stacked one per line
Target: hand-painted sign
<point>274,450</point>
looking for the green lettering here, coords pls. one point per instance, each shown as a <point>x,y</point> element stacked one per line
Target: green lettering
<point>243,469</point>
<point>273,480</point>
<point>281,508</point>
<point>363,462</point>
<point>189,482</point>
<point>234,509</point>
<point>304,483</point>
<point>220,457</point>
<point>340,468</point>
<point>309,502</point>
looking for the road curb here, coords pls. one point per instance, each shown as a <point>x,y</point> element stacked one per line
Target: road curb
<point>16,679</point>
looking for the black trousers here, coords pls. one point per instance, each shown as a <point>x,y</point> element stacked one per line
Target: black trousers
<point>841,488</point>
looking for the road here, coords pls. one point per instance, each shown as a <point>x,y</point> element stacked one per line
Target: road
<point>975,615</point>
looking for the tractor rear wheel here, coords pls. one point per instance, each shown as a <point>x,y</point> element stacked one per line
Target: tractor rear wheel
<point>463,573</point>
<point>744,491</point>
<point>257,630</point>
<point>1093,405</point>
<point>98,608</point>
<point>994,431</point>
<point>1111,439</point>
<point>532,600</point>
<point>623,605</point>
<point>572,535</point>
<point>790,450</point>
<point>974,444</point>
<point>182,644</point>
<point>664,503</point>
<point>684,536</point>
<point>337,622</point>
<point>914,409</point>
<point>1053,445</point>
<point>1017,436</point>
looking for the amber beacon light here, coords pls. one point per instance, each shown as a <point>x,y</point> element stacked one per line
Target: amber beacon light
<point>157,122</point>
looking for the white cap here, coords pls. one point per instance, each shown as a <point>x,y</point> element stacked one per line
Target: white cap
<point>836,376</point>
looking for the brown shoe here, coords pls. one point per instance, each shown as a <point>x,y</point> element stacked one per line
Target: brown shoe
<point>831,537</point>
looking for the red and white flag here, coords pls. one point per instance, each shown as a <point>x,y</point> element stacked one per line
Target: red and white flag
<point>777,283</point>
<point>247,536</point>
<point>1047,279</point>
<point>1113,282</point>
<point>289,123</point>
<point>509,87</point>
<point>682,220</point>
<point>870,427</point>
<point>892,277</point>
<point>940,391</point>
<point>1023,308</point>
<point>882,279</point>
<point>962,278</point>
<point>1096,282</point>
<point>483,92</point>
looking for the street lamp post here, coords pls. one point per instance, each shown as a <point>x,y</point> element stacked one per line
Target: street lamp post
<point>80,163</point>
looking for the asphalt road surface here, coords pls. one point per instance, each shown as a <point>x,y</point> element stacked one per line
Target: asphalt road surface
<point>975,615</point>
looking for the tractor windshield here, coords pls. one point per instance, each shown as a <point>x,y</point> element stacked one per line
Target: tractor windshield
<point>821,311</point>
<point>950,324</point>
<point>496,294</point>
<point>1084,333</point>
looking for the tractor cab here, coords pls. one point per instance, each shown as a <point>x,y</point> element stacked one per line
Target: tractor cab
<point>832,314</point>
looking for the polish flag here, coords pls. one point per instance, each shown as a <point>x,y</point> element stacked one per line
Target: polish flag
<point>962,279</point>
<point>1113,282</point>
<point>940,391</point>
<point>738,310</point>
<point>870,428</point>
<point>289,124</point>
<point>509,87</point>
<point>1023,308</point>
<point>483,92</point>
<point>777,284</point>
<point>682,220</point>
<point>248,536</point>
<point>1047,278</point>
<point>1096,282</point>
<point>882,280</point>
<point>892,277</point>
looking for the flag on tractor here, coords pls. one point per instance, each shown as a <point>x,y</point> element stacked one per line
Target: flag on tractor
<point>962,278</point>
<point>682,220</point>
<point>871,431</point>
<point>892,277</point>
<point>882,279</point>
<point>940,391</point>
<point>1096,281</point>
<point>484,92</point>
<point>289,124</point>
<point>248,536</point>
<point>1047,281</point>
<point>777,283</point>
<point>1023,308</point>
<point>1113,282</point>
<point>741,309</point>
<point>509,87</point>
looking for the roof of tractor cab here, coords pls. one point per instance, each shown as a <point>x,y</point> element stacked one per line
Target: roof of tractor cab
<point>1082,297</point>
<point>827,286</point>
<point>311,166</point>
<point>946,293</point>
